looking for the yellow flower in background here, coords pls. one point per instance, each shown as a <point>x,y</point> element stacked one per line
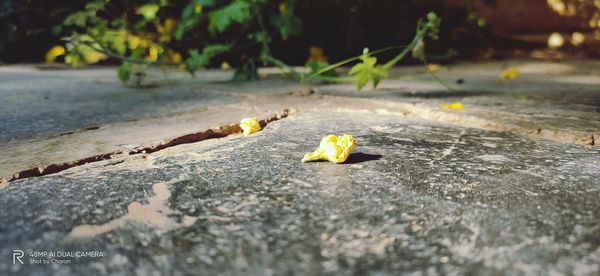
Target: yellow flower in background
<point>282,8</point>
<point>510,73</point>
<point>153,52</point>
<point>197,8</point>
<point>173,56</point>
<point>165,30</point>
<point>577,38</point>
<point>455,106</point>
<point>316,54</point>
<point>54,52</point>
<point>434,68</point>
<point>249,126</point>
<point>555,40</point>
<point>135,41</point>
<point>332,148</point>
<point>225,66</point>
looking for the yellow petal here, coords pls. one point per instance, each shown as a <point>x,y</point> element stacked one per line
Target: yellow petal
<point>249,126</point>
<point>165,30</point>
<point>332,148</point>
<point>510,73</point>
<point>134,41</point>
<point>153,53</point>
<point>455,106</point>
<point>434,68</point>
<point>54,52</point>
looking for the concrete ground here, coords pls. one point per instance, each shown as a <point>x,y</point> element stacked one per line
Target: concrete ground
<point>159,180</point>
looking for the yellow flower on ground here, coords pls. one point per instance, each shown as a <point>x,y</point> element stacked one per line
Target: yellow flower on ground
<point>332,148</point>
<point>510,73</point>
<point>249,126</point>
<point>54,52</point>
<point>455,106</point>
<point>434,68</point>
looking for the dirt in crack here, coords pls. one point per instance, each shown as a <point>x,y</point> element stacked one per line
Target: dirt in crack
<point>219,132</point>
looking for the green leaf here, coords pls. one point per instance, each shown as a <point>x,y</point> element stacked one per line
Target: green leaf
<point>148,11</point>
<point>95,6</point>
<point>362,79</point>
<point>315,66</point>
<point>357,68</point>
<point>247,72</point>
<point>189,18</point>
<point>286,22</point>
<point>288,25</point>
<point>220,19</point>
<point>124,71</point>
<point>76,19</point>
<point>198,60</point>
<point>368,70</point>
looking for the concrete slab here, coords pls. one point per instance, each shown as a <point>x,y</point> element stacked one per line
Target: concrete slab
<point>163,182</point>
<point>416,196</point>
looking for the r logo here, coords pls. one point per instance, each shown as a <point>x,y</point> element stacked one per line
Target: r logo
<point>17,255</point>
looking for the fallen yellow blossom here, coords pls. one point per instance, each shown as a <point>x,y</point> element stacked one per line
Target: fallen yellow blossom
<point>509,73</point>
<point>455,106</point>
<point>332,148</point>
<point>249,126</point>
<point>434,68</point>
<point>225,66</point>
<point>54,52</point>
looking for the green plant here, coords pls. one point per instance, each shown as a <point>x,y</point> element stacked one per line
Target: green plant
<point>153,32</point>
<point>368,69</point>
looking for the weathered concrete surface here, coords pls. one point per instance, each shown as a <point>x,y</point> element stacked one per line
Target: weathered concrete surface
<point>49,102</point>
<point>549,101</point>
<point>417,196</point>
<point>507,186</point>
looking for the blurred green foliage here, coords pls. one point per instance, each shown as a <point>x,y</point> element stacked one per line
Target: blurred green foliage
<point>193,34</point>
<point>189,34</point>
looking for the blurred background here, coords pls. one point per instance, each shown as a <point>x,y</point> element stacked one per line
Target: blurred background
<point>470,29</point>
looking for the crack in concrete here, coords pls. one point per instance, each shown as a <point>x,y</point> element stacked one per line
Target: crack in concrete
<point>213,133</point>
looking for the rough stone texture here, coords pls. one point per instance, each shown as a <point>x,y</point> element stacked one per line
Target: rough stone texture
<point>45,102</point>
<point>415,196</point>
<point>427,191</point>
